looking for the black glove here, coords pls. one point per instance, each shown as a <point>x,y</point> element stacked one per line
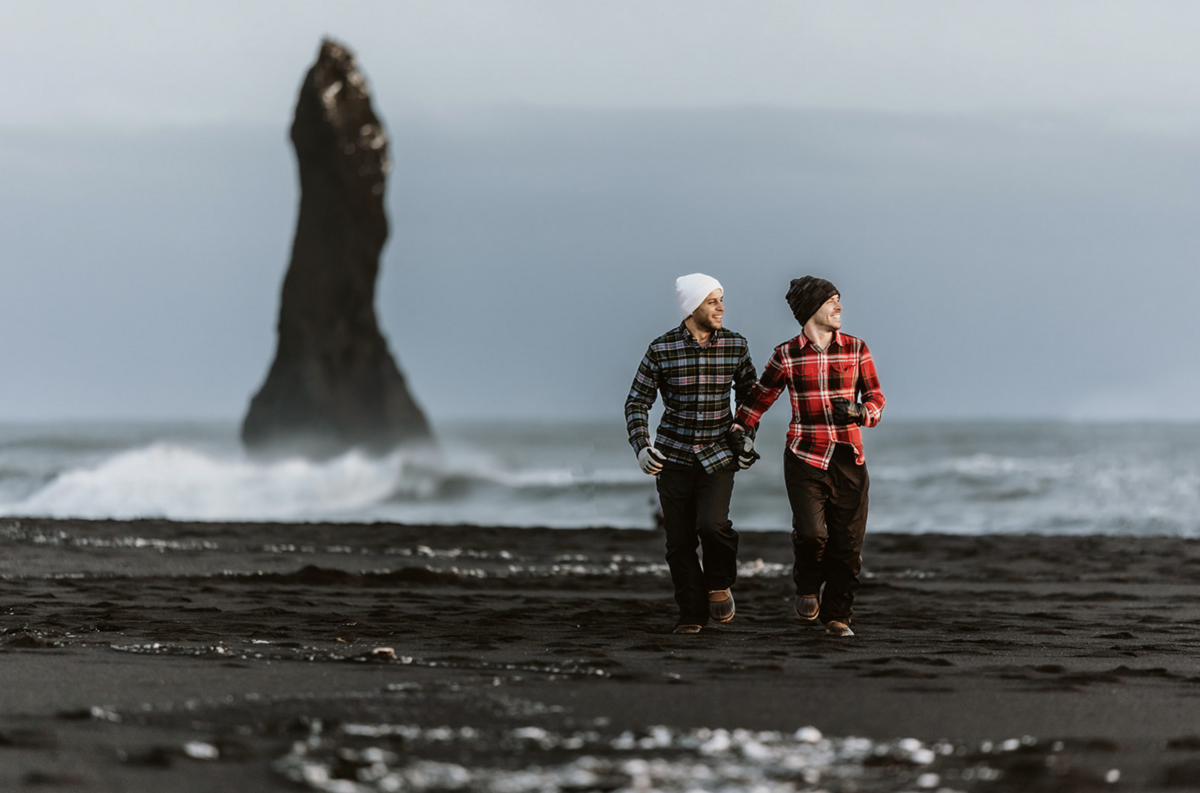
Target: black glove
<point>742,445</point>
<point>847,412</point>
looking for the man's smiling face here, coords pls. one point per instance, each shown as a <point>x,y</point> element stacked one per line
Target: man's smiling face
<point>708,314</point>
<point>829,315</point>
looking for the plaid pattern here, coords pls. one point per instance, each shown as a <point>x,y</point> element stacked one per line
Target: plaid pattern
<point>845,369</point>
<point>694,382</point>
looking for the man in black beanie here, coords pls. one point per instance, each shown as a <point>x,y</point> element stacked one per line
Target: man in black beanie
<point>827,372</point>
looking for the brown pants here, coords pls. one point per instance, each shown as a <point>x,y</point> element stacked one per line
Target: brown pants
<point>829,521</point>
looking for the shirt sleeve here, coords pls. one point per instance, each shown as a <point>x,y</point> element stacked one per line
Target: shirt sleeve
<point>743,381</point>
<point>868,385</point>
<point>763,393</point>
<point>743,378</point>
<point>641,398</point>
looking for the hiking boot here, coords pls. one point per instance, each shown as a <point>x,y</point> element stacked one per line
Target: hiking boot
<point>720,605</point>
<point>840,629</point>
<point>807,607</point>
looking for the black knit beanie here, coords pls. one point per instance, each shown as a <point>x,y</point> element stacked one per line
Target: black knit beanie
<point>807,294</point>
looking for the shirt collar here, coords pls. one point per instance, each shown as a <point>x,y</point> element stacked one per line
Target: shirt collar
<point>687,334</point>
<point>807,342</point>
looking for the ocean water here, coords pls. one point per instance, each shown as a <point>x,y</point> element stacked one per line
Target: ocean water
<point>963,478</point>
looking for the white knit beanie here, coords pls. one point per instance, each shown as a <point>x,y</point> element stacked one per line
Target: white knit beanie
<point>690,291</point>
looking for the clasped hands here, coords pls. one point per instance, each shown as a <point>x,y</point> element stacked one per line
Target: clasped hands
<point>742,445</point>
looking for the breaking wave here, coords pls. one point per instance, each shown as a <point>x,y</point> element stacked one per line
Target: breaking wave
<point>182,482</point>
<point>964,479</point>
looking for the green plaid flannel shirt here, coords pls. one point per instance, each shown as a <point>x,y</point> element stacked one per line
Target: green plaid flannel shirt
<point>694,382</point>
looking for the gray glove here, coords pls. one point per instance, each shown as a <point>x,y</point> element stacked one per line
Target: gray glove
<point>651,460</point>
<point>742,445</point>
<point>847,412</point>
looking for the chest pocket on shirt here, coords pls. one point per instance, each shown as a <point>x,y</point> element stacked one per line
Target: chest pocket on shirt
<point>843,374</point>
<point>844,368</point>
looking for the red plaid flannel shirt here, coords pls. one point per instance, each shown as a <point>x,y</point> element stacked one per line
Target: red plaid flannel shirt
<point>813,377</point>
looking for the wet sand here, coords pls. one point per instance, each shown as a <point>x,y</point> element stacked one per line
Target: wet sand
<point>140,655</point>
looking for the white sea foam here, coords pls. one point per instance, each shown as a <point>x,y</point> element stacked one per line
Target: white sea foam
<point>457,484</point>
<point>969,479</point>
<point>172,481</point>
<point>974,467</point>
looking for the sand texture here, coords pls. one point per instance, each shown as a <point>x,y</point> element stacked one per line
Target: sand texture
<point>153,655</point>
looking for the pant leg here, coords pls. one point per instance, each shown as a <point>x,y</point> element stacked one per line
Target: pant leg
<point>808,490</point>
<point>718,540</point>
<point>677,492</point>
<point>846,524</point>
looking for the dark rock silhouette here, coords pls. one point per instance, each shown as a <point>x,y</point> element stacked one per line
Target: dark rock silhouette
<point>333,384</point>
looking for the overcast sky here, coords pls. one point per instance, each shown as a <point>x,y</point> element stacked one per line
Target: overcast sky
<point>1004,192</point>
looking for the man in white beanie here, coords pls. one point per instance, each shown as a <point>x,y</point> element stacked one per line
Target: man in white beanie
<point>693,457</point>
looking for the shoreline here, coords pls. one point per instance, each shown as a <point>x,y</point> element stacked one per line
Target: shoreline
<point>130,646</point>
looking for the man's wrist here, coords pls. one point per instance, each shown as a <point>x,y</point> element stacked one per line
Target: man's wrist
<point>739,427</point>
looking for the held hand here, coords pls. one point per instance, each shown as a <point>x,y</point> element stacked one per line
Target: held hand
<point>651,460</point>
<point>742,445</point>
<point>847,412</point>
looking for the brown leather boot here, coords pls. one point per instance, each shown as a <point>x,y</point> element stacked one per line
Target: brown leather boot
<point>835,628</point>
<point>807,607</point>
<point>720,605</point>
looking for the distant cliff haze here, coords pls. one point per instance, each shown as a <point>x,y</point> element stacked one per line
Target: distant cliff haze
<point>334,385</point>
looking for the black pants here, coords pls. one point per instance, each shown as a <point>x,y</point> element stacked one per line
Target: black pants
<point>695,509</point>
<point>829,520</point>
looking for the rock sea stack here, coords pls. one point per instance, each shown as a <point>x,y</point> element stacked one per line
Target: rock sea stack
<point>334,385</point>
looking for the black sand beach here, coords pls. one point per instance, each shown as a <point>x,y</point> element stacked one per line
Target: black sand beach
<point>152,655</point>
